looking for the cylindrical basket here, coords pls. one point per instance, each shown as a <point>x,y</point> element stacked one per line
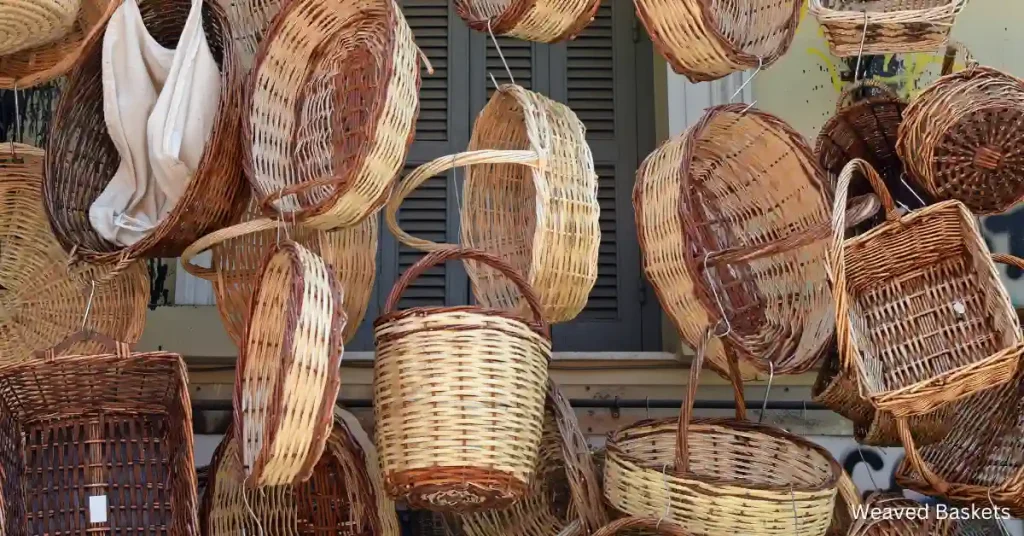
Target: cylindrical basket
<point>238,253</point>
<point>29,23</point>
<point>81,158</point>
<point>873,27</point>
<point>99,442</point>
<point>543,21</point>
<point>459,396</point>
<point>530,197</point>
<point>700,473</point>
<point>651,524</point>
<point>331,110</point>
<point>921,313</point>
<point>287,376</point>
<point>707,40</point>
<point>43,298</point>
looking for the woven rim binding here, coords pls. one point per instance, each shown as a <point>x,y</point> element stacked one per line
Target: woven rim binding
<point>658,526</point>
<point>543,21</point>
<point>899,27</point>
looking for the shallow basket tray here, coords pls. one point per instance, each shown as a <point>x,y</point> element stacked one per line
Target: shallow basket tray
<point>543,21</point>
<point>30,23</point>
<point>875,27</point>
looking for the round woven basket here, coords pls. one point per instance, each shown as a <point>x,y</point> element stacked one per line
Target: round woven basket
<point>958,139</point>
<point>42,298</point>
<point>544,21</point>
<point>650,524</point>
<point>721,477</point>
<point>459,396</point>
<point>326,134</point>
<point>28,23</point>
<point>238,252</point>
<point>81,158</point>
<point>344,495</point>
<point>872,27</point>
<point>530,197</point>
<point>287,376</point>
<point>708,39</point>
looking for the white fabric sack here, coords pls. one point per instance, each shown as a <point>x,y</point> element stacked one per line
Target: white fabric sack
<point>159,106</point>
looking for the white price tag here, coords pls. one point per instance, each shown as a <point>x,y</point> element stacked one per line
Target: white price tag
<point>98,509</point>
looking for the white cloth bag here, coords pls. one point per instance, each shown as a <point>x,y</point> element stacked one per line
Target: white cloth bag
<point>159,106</point>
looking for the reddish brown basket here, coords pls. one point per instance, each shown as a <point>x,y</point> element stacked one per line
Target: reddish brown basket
<point>81,159</point>
<point>544,21</point>
<point>116,425</point>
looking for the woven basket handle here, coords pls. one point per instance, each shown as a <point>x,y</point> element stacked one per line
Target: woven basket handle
<point>122,349</point>
<point>579,463</point>
<point>1003,258</point>
<point>419,175</point>
<point>949,61</point>
<point>845,96</point>
<point>913,456</point>
<point>222,235</point>
<point>659,526</point>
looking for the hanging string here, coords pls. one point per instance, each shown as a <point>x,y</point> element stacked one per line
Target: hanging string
<point>760,65</point>
<point>860,54</point>
<point>767,391</point>
<point>88,305</point>
<point>17,124</point>
<point>501,55</point>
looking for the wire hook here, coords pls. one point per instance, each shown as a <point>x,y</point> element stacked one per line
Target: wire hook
<point>501,55</point>
<point>764,404</point>
<point>88,305</point>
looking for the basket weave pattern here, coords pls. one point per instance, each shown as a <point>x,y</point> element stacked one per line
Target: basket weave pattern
<point>545,21</point>
<point>870,27</point>
<point>28,23</point>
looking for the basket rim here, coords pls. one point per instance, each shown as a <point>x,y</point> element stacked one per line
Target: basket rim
<point>830,15</point>
<point>536,327</point>
<point>508,20</point>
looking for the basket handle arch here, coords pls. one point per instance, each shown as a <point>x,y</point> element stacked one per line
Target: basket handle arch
<point>222,235</point>
<point>660,526</point>
<point>437,166</point>
<point>953,49</point>
<point>579,463</point>
<point>845,96</point>
<point>121,348</point>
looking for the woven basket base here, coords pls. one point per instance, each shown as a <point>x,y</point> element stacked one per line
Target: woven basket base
<point>455,489</point>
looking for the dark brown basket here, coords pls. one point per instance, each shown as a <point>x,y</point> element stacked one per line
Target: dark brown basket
<point>81,158</point>
<point>117,425</point>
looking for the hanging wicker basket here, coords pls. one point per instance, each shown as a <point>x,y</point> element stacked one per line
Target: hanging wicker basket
<point>238,253</point>
<point>287,376</point>
<point>874,27</point>
<point>344,495</point>
<point>847,504</point>
<point>650,524</point>
<point>249,20</point>
<point>81,158</point>
<point>530,197</point>
<point>705,40</point>
<point>459,396</point>
<point>29,23</point>
<point>699,472</point>
<point>922,316</point>
<point>543,21</point>
<point>43,299</point>
<point>326,134</point>
<point>115,426</point>
<point>565,494</point>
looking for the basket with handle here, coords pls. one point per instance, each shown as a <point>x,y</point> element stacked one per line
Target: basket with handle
<point>287,376</point>
<point>331,109</point>
<point>30,23</point>
<point>654,525</point>
<point>721,477</point>
<point>43,298</point>
<point>530,196</point>
<point>81,159</point>
<point>921,314</point>
<point>543,21</point>
<point>100,442</point>
<point>237,254</point>
<point>872,27</point>
<point>458,396</point>
<point>706,40</point>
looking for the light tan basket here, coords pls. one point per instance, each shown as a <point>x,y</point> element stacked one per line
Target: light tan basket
<point>29,23</point>
<point>544,21</point>
<point>459,397</point>
<point>873,27</point>
<point>238,253</point>
<point>327,133</point>
<point>530,197</point>
<point>250,20</point>
<point>287,376</point>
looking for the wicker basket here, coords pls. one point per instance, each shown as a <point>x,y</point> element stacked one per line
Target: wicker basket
<point>249,20</point>
<point>30,23</point>
<point>651,524</point>
<point>847,502</point>
<point>459,396</point>
<point>43,299</point>
<point>544,21</point>
<point>708,39</point>
<point>921,313</point>
<point>81,159</point>
<point>40,64</point>
<point>238,251</point>
<point>344,496</point>
<point>958,139</point>
<point>530,197</point>
<point>870,27</point>
<point>287,376</point>
<point>115,425</point>
<point>326,134</point>
<point>701,473</point>
<point>564,496</point>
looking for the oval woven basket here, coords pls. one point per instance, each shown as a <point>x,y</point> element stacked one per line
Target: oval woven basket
<point>287,376</point>
<point>43,299</point>
<point>721,477</point>
<point>327,133</point>
<point>651,524</point>
<point>81,158</point>
<point>530,197</point>
<point>565,494</point>
<point>543,21</point>
<point>958,139</point>
<point>345,494</point>
<point>458,394</point>
<point>29,23</point>
<point>238,253</point>
<point>921,313</point>
<point>116,425</point>
<point>706,40</point>
<point>873,27</point>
